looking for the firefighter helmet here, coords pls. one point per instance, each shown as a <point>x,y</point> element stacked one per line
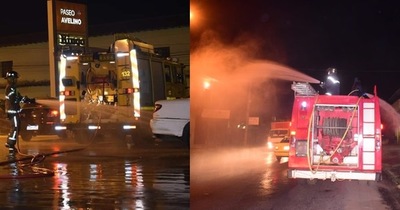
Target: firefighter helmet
<point>331,71</point>
<point>12,74</point>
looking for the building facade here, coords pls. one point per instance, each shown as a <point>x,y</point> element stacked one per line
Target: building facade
<point>31,60</point>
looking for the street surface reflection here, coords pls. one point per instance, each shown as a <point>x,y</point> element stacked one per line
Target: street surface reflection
<point>156,177</point>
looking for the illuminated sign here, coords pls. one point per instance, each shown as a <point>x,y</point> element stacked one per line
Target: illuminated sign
<point>85,58</point>
<point>65,39</point>
<point>107,57</point>
<point>71,18</point>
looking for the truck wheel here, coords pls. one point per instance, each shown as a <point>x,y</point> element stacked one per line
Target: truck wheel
<point>186,135</point>
<point>26,136</point>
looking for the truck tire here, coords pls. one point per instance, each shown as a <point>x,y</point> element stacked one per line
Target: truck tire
<point>186,135</point>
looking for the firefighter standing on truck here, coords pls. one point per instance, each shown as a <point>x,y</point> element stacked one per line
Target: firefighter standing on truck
<point>332,83</point>
<point>13,108</point>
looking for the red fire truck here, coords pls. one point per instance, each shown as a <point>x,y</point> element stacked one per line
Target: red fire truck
<point>335,137</point>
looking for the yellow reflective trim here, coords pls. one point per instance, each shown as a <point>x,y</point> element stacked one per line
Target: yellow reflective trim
<point>148,108</point>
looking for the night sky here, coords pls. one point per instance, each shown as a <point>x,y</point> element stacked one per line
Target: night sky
<point>358,38</point>
<point>27,16</point>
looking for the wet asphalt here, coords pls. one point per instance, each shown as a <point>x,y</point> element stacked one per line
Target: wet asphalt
<point>391,162</point>
<point>52,173</point>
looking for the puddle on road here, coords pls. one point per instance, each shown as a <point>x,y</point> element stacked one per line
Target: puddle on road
<point>114,183</point>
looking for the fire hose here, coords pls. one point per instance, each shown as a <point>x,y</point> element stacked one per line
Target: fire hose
<point>337,147</point>
<point>31,161</point>
<point>17,165</point>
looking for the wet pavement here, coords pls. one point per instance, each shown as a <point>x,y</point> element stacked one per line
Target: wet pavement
<point>391,162</point>
<point>51,173</point>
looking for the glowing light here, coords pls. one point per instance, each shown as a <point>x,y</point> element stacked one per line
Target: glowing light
<point>193,15</point>
<point>129,127</point>
<point>122,54</point>
<point>303,104</point>
<point>197,19</point>
<point>135,80</point>
<point>270,145</point>
<point>206,85</point>
<point>70,58</point>
<point>58,128</point>
<point>94,127</point>
<point>61,88</point>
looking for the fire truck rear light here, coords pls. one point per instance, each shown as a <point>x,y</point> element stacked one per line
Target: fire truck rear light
<point>129,127</point>
<point>32,127</point>
<point>122,54</point>
<point>70,58</point>
<point>67,93</point>
<point>94,127</point>
<point>59,128</point>
<point>53,113</point>
<point>127,90</point>
<point>292,133</point>
<point>130,90</point>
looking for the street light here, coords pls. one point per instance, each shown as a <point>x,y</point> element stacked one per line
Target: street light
<point>195,18</point>
<point>206,85</point>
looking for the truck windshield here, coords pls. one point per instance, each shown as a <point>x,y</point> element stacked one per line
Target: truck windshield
<point>275,133</point>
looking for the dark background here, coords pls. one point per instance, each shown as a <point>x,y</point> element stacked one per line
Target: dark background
<point>358,38</point>
<point>28,16</point>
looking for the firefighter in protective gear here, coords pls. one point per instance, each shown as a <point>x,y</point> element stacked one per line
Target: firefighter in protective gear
<point>13,108</point>
<point>332,83</point>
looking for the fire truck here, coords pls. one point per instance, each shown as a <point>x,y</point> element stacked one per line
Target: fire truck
<point>110,91</point>
<point>335,137</point>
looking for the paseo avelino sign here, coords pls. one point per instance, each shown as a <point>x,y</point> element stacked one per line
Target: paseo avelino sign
<point>70,19</point>
<point>71,23</point>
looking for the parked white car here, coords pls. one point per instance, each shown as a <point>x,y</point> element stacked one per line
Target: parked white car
<point>172,118</point>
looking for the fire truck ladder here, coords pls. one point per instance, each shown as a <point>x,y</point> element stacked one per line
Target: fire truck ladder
<point>303,89</point>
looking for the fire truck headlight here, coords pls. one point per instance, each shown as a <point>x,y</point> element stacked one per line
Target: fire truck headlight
<point>270,145</point>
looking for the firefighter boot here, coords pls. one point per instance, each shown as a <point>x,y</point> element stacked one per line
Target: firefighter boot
<point>11,146</point>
